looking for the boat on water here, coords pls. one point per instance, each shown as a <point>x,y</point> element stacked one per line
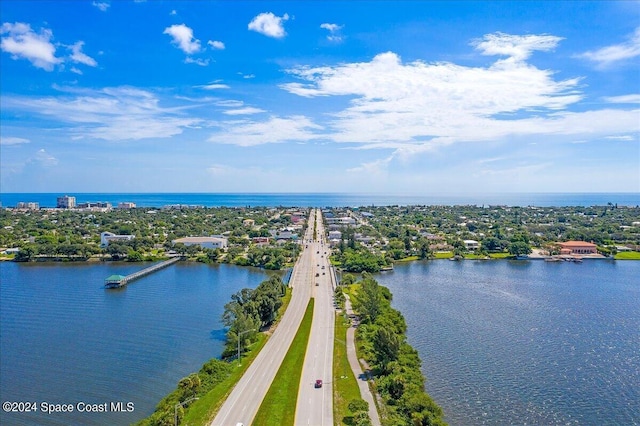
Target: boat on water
<point>552,259</point>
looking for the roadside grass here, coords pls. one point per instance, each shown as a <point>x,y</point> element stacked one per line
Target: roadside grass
<point>203,410</point>
<point>345,386</point>
<point>443,254</point>
<point>627,255</point>
<point>279,405</point>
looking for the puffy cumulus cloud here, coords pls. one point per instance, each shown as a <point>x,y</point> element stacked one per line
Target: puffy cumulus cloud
<point>334,31</point>
<point>609,55</point>
<point>78,56</point>
<point>11,140</point>
<point>218,45</point>
<point>272,130</point>
<point>396,102</point>
<point>22,42</point>
<point>269,24</point>
<point>113,113</point>
<point>183,38</point>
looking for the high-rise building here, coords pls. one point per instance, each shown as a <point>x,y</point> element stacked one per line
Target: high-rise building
<point>66,202</point>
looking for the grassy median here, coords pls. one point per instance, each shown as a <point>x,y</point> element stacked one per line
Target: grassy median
<point>279,405</point>
<point>345,386</point>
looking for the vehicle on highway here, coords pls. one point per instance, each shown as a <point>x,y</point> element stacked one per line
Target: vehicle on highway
<point>317,274</point>
<point>317,284</point>
<point>318,383</point>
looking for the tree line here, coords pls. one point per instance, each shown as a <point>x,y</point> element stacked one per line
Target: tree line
<point>395,364</point>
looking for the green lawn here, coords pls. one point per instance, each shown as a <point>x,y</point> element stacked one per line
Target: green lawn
<point>443,254</point>
<point>345,386</point>
<point>627,255</point>
<point>408,259</point>
<point>279,405</point>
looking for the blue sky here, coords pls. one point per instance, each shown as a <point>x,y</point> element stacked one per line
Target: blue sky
<point>403,97</point>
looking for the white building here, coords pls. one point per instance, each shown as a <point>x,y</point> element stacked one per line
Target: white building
<point>335,235</point>
<point>471,245</point>
<point>126,205</point>
<point>107,237</point>
<point>213,242</point>
<point>66,202</point>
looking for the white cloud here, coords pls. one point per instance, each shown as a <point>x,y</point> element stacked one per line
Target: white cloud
<point>103,6</point>
<point>173,12</point>
<point>78,56</point>
<point>516,47</point>
<point>269,24</point>
<point>609,55</point>
<point>214,86</point>
<point>624,99</point>
<point>112,113</point>
<point>197,61</point>
<point>620,138</point>
<point>247,76</point>
<point>334,31</point>
<point>273,130</point>
<point>22,42</point>
<point>244,111</point>
<point>230,103</point>
<point>44,158</point>
<point>216,44</point>
<point>76,70</point>
<point>183,38</point>
<point>11,140</point>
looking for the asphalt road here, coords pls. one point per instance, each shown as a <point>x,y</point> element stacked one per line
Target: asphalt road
<point>315,405</point>
<point>244,401</point>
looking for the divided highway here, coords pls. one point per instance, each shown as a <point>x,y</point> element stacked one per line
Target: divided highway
<point>315,404</point>
<point>244,401</point>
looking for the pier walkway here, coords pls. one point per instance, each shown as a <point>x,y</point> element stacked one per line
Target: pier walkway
<point>117,281</point>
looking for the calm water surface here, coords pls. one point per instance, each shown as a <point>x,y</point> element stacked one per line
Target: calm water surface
<point>65,339</point>
<point>528,342</point>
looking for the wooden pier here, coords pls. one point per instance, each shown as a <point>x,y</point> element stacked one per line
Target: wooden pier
<point>117,281</point>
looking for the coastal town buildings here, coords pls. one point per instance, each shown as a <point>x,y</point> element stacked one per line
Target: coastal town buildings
<point>107,237</point>
<point>212,242</point>
<point>66,202</point>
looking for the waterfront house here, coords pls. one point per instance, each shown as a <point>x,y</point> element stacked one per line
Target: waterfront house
<point>577,247</point>
<point>471,245</point>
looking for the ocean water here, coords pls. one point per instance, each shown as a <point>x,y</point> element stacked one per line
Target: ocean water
<point>331,199</point>
<point>525,342</point>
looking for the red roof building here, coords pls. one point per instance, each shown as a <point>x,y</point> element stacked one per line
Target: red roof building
<point>577,247</point>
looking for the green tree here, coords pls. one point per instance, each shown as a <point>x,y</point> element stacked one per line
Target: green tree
<point>519,248</point>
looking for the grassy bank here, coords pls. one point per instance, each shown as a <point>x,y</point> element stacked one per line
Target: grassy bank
<point>279,405</point>
<point>627,255</point>
<point>345,386</point>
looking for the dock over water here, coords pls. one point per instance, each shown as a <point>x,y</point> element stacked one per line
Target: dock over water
<point>117,281</point>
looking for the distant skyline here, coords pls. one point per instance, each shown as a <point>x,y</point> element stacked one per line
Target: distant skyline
<point>363,97</point>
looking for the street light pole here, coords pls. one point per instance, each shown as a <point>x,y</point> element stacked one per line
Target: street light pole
<point>179,404</point>
<point>240,334</point>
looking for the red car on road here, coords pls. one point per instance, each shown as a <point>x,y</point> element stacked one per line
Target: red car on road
<point>318,383</point>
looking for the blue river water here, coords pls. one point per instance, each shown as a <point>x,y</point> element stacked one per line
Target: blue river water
<point>331,199</point>
<point>525,342</point>
<point>502,342</point>
<point>65,339</point>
